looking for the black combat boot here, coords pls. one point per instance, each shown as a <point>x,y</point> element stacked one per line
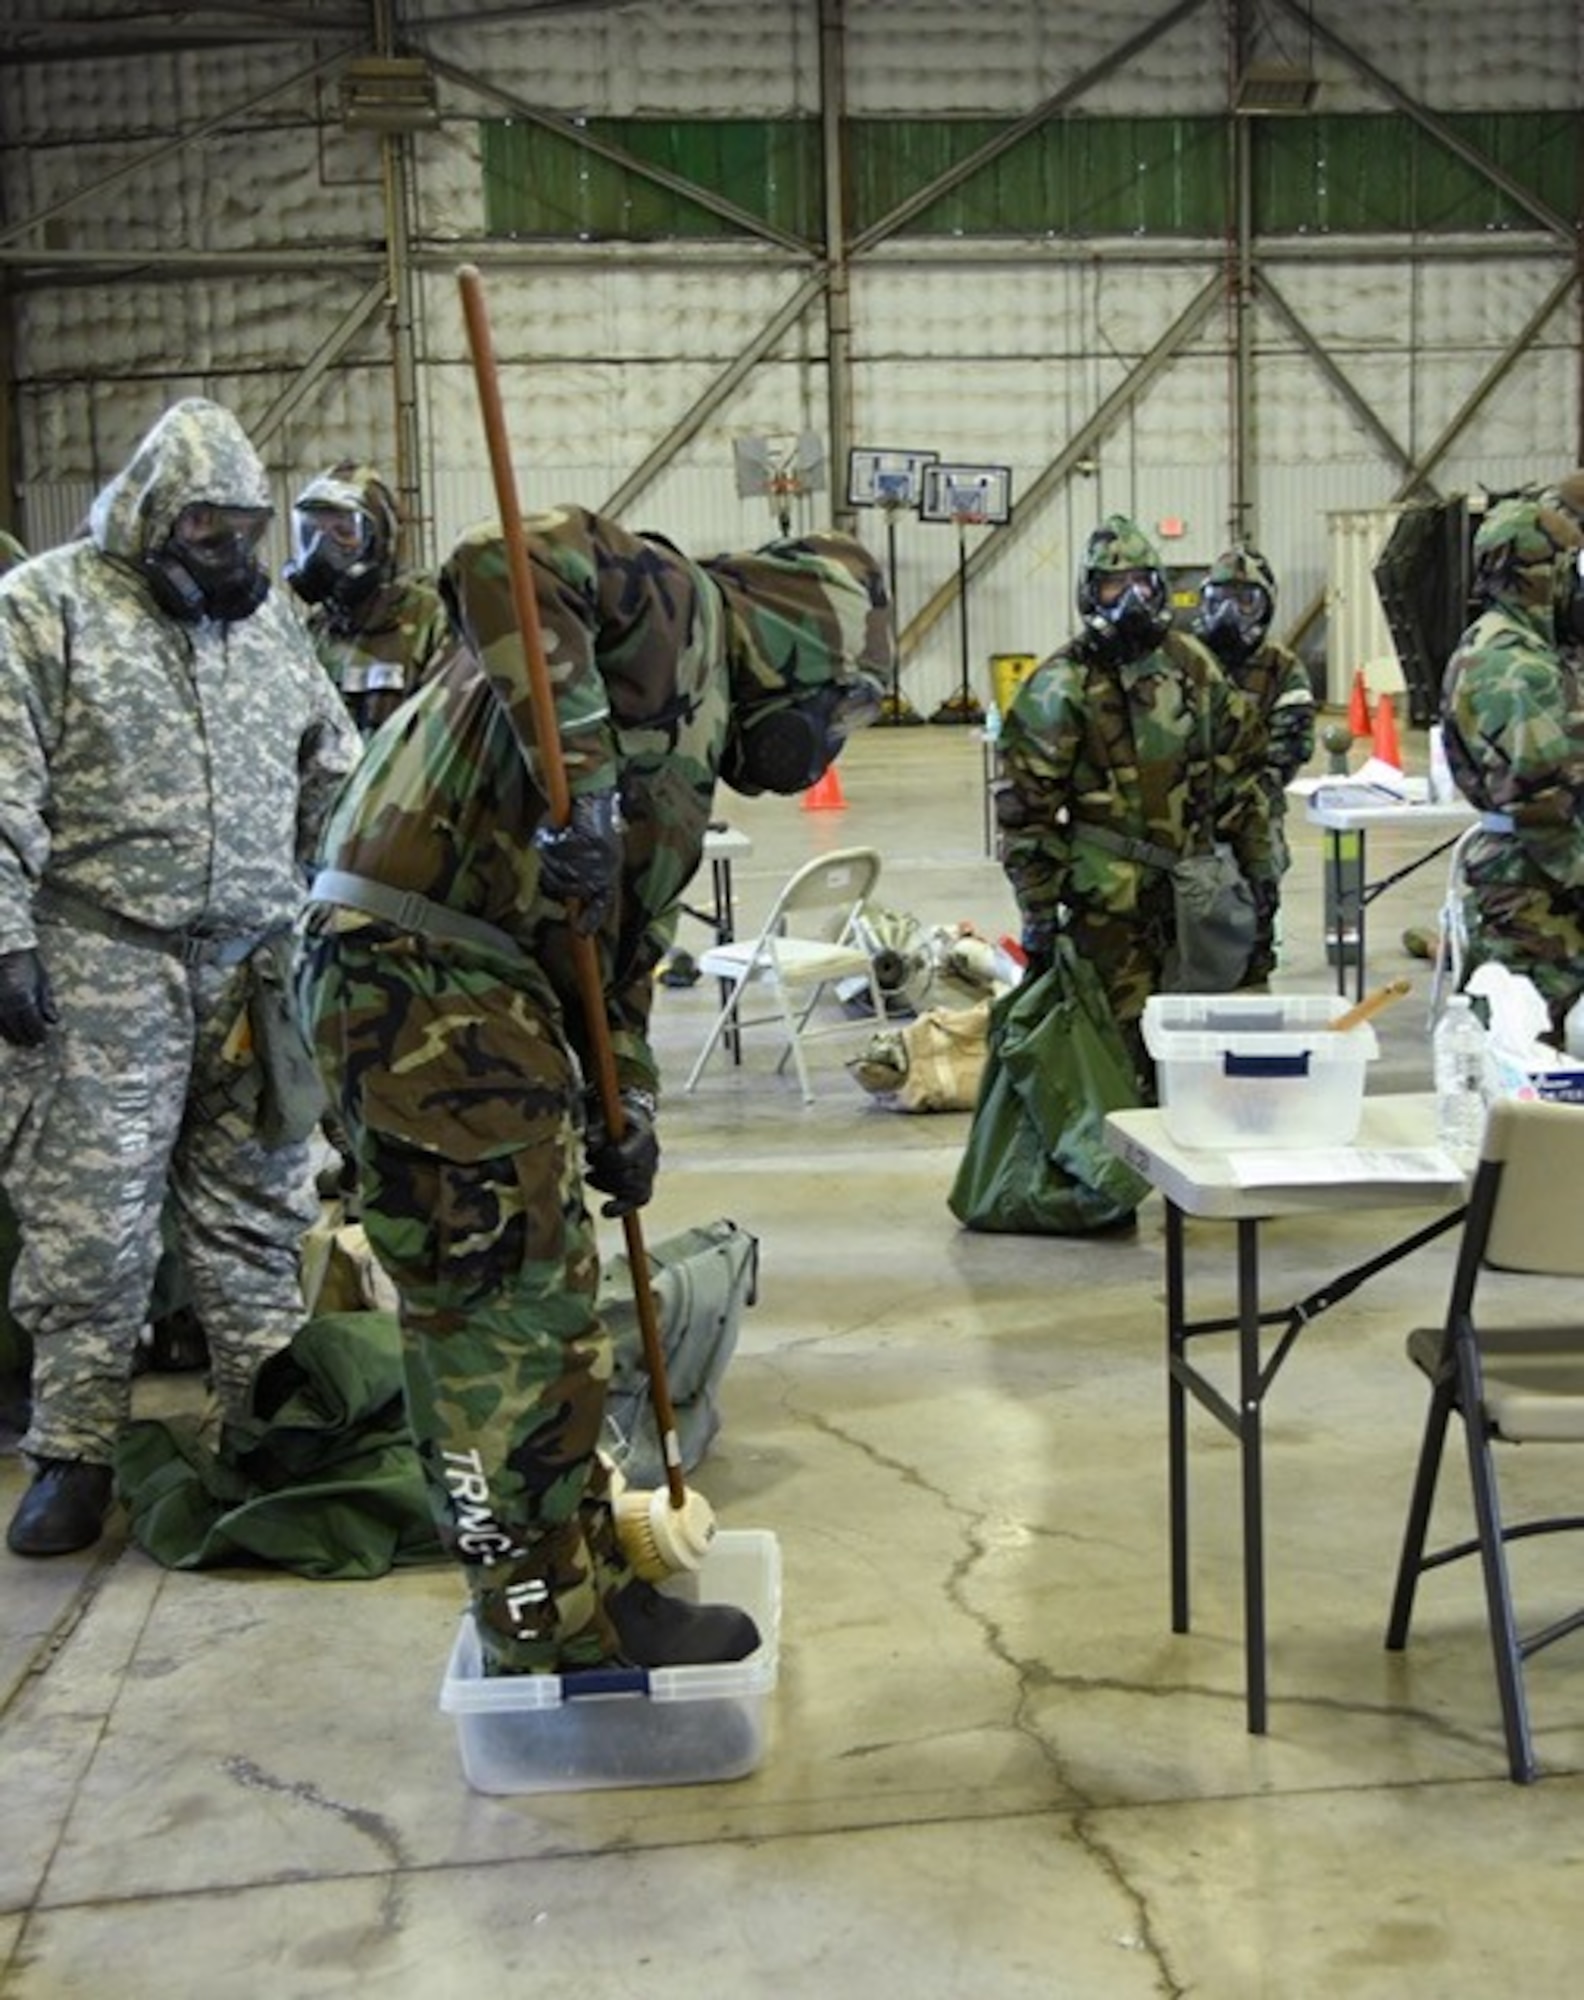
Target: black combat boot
<point>63,1510</point>
<point>660,1631</point>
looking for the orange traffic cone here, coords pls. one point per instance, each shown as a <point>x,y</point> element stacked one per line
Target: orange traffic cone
<point>1358,706</point>
<point>1386,746</point>
<point>825,794</point>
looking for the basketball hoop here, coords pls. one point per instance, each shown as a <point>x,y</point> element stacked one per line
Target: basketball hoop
<point>965,496</point>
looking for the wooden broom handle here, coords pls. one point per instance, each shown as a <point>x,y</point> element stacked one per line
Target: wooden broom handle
<point>547,734</point>
<point>1371,1005</point>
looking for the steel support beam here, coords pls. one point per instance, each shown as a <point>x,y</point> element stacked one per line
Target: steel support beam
<point>1083,441</point>
<point>329,351</point>
<point>838,298</point>
<point>577,135</point>
<point>1302,13</point>
<point>144,160</point>
<point>694,419</point>
<point>1398,453</point>
<point>1417,473</point>
<point>1020,128</point>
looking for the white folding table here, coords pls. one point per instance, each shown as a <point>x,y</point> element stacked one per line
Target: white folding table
<point>1331,809</point>
<point>1205,1183</point>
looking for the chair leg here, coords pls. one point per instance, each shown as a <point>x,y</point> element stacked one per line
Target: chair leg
<point>1417,1527</point>
<point>1499,1605</point>
<point>794,1032</point>
<point>724,1019</point>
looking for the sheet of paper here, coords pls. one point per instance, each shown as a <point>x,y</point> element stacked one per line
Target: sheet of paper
<point>1320,1166</point>
<point>1352,795</point>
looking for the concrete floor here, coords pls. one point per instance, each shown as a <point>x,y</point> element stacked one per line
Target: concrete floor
<point>991,1768</point>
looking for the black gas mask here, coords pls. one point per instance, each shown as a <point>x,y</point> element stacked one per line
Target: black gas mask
<point>1126,611</point>
<point>333,556</point>
<point>1232,620</point>
<point>208,566</point>
<point>787,745</point>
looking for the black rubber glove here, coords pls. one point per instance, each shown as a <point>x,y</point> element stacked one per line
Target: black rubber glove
<point>624,1168</point>
<point>580,863</point>
<point>1039,948</point>
<point>27,1007</point>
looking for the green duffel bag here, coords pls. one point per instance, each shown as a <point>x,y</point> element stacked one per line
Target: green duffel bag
<point>1036,1162</point>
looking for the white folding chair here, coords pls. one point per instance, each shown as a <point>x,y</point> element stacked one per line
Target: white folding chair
<point>808,940</point>
<point>1509,1384</point>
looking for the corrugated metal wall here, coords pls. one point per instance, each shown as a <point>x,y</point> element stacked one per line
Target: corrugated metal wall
<point>980,347</point>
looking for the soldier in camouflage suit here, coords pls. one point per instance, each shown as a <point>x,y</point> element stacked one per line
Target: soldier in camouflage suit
<point>1237,602</point>
<point>1512,709</point>
<point>380,630</point>
<point>172,749</point>
<point>1130,732</point>
<point>437,987</point>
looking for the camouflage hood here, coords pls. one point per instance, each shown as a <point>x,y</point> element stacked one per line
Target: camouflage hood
<point>1519,554</point>
<point>1240,565</point>
<point>1119,544</point>
<point>196,452</point>
<point>803,612</point>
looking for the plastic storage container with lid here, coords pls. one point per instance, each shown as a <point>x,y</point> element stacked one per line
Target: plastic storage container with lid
<point>1255,1069</point>
<point>625,1726</point>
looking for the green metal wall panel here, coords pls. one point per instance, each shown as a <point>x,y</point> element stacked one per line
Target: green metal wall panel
<point>538,182</point>
<point>1074,176</point>
<point>1373,174</point>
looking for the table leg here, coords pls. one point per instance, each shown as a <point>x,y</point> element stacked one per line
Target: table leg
<point>1363,906</point>
<point>1176,1416</point>
<point>1250,1441</point>
<point>1338,930</point>
<point>725,931</point>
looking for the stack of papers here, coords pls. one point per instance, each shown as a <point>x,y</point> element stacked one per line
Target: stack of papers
<point>1418,1166</point>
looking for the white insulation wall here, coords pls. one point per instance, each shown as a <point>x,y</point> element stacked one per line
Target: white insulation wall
<point>997,358</point>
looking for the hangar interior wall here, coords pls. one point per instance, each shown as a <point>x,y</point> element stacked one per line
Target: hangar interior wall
<point>190,211</point>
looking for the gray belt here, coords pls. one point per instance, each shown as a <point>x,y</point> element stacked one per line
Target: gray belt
<point>1496,822</point>
<point>1145,852</point>
<point>406,910</point>
<point>191,947</point>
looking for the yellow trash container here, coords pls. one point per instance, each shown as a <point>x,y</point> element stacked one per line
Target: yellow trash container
<point>1008,672</point>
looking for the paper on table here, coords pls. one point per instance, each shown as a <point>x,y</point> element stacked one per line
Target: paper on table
<point>1344,1166</point>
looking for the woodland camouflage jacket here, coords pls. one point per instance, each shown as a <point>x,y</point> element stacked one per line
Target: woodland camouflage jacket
<point>1513,715</point>
<point>648,652</point>
<point>1162,749</point>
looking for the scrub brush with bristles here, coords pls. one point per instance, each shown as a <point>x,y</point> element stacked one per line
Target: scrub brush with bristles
<point>656,1536</point>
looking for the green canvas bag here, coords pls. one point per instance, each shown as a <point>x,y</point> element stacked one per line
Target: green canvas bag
<point>1036,1162</point>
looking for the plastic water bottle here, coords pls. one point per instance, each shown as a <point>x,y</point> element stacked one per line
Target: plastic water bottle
<point>1459,1045</point>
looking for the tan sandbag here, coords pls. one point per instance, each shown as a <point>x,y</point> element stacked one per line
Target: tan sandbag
<point>933,1064</point>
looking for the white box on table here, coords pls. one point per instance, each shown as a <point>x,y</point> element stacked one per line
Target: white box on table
<point>1256,1069</point>
<point>664,1726</point>
<point>1561,1082</point>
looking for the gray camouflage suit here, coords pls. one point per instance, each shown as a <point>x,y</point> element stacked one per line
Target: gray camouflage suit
<point>161,779</point>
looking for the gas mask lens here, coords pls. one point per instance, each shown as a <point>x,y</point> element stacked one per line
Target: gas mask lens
<point>218,536</point>
<point>338,537</point>
<point>332,555</point>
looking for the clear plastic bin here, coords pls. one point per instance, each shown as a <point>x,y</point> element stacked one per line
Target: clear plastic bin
<point>1247,1070</point>
<point>667,1726</point>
